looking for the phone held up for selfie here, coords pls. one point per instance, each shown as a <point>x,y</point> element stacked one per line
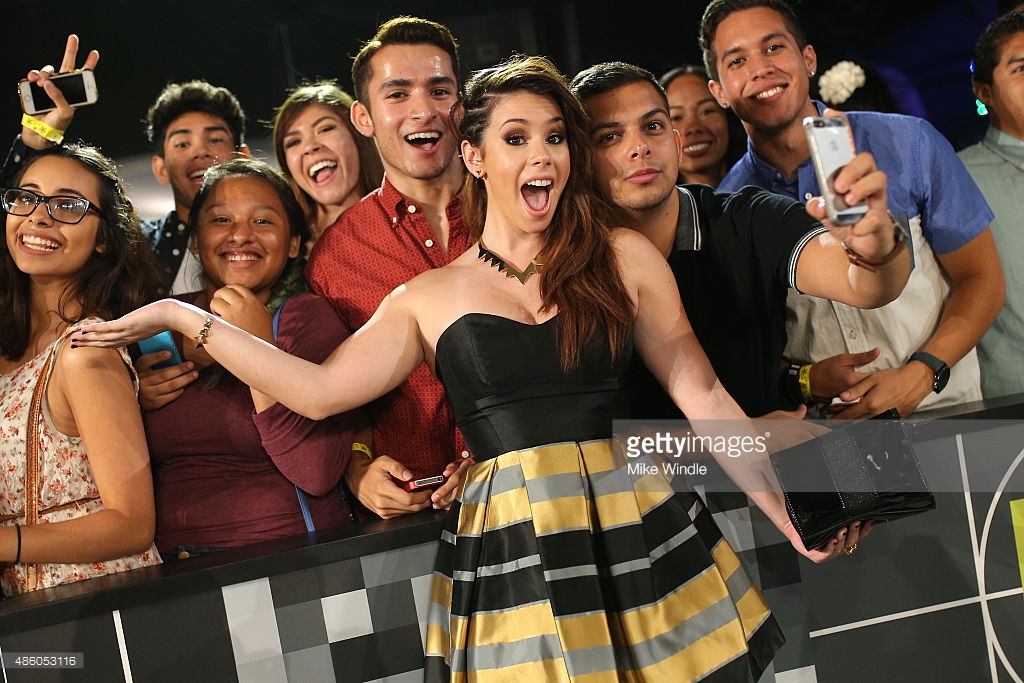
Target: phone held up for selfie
<point>831,149</point>
<point>161,342</point>
<point>78,88</point>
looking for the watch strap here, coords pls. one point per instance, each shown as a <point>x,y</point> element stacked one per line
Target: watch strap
<point>934,362</point>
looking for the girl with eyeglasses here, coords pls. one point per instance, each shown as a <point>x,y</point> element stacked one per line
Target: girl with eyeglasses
<point>76,493</point>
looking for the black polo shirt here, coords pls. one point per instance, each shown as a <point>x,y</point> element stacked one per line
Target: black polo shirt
<point>734,260</point>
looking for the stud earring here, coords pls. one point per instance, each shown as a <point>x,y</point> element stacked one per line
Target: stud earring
<point>812,72</point>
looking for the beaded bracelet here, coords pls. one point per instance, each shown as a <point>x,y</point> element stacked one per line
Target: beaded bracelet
<point>200,338</point>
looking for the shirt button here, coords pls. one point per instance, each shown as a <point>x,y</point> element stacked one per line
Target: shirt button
<point>176,252</point>
<point>807,196</point>
<point>394,219</point>
<point>465,454</point>
<point>167,234</point>
<point>429,243</point>
<point>17,158</point>
<point>412,208</point>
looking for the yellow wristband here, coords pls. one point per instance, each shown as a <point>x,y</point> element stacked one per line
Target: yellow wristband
<point>43,129</point>
<point>362,448</point>
<point>805,382</point>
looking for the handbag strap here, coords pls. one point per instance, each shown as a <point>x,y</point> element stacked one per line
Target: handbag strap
<point>32,463</point>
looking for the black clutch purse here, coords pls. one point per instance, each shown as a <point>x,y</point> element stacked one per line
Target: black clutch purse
<point>864,470</point>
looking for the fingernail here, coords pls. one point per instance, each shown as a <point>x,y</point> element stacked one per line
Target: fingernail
<point>74,345</point>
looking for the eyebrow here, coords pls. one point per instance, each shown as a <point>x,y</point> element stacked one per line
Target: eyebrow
<point>207,129</point>
<point>696,104</point>
<point>764,39</point>
<point>406,82</point>
<point>60,192</point>
<point>553,119</point>
<point>1015,60</point>
<point>265,207</point>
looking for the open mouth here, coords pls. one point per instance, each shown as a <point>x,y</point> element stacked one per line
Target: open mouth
<point>697,148</point>
<point>771,92</point>
<point>322,171</point>
<point>37,243</point>
<point>425,139</point>
<point>537,195</point>
<point>241,257</point>
<point>197,176</point>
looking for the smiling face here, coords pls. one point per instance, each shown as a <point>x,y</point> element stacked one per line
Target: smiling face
<point>243,236</point>
<point>323,159</point>
<point>193,142</point>
<point>636,152</point>
<point>523,161</point>
<point>702,125</point>
<point>762,72</point>
<point>41,247</point>
<point>410,96</point>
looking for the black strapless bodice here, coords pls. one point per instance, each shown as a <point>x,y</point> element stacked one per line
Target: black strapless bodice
<point>505,382</point>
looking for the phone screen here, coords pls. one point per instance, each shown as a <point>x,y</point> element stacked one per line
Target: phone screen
<point>72,85</point>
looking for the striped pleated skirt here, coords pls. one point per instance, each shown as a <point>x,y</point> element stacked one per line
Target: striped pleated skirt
<point>560,563</point>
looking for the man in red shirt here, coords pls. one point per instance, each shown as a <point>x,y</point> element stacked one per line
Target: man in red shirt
<point>406,79</point>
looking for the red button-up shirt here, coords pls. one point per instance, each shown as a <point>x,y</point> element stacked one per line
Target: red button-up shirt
<point>376,245</point>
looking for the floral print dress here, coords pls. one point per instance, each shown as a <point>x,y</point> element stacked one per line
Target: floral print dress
<point>66,486</point>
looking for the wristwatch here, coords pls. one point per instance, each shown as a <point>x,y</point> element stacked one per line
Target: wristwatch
<point>938,367</point>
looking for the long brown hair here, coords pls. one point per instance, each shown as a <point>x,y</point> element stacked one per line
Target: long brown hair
<point>580,274</point>
<point>123,277</point>
<point>328,94</point>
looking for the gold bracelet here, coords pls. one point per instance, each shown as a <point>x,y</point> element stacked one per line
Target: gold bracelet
<point>805,382</point>
<point>200,338</point>
<point>362,448</point>
<point>42,129</point>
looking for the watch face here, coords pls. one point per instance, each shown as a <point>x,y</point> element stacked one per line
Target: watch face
<point>941,378</point>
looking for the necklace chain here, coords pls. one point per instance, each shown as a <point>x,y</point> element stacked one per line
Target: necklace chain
<point>496,261</point>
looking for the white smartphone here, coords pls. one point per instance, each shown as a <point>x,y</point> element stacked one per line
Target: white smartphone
<point>78,88</point>
<point>831,149</point>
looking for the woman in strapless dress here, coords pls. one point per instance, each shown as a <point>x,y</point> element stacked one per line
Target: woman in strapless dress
<point>558,562</point>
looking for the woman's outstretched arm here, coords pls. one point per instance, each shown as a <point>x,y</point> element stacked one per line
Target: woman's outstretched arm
<point>367,365</point>
<point>668,345</point>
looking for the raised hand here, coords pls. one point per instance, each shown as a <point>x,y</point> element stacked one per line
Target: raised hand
<point>59,118</point>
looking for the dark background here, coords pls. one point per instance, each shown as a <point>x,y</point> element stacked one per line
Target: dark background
<point>259,49</point>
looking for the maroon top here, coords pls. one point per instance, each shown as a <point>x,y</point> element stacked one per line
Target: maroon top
<point>225,475</point>
<point>373,247</point>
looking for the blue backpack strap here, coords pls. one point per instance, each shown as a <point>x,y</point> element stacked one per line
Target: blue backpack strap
<point>303,503</point>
